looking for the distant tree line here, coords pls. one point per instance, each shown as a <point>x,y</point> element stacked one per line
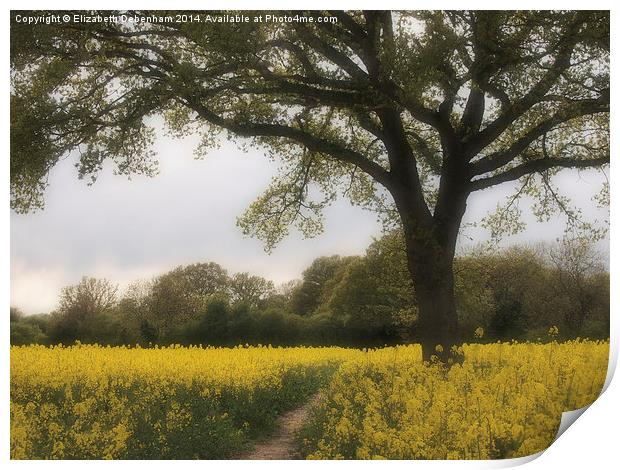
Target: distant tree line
<point>517,293</point>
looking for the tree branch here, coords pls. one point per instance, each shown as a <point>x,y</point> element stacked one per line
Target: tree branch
<point>331,53</point>
<point>562,62</point>
<point>311,142</point>
<point>535,166</point>
<point>500,158</point>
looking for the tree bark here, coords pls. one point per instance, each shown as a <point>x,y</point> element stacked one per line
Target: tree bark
<point>430,237</point>
<point>431,270</point>
<point>430,246</point>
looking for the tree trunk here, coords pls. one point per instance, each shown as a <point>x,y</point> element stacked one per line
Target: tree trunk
<point>430,250</point>
<point>437,326</point>
<point>430,237</point>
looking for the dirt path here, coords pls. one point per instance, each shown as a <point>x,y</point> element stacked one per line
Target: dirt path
<point>281,444</point>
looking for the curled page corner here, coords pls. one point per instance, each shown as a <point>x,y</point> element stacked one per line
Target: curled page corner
<point>568,418</point>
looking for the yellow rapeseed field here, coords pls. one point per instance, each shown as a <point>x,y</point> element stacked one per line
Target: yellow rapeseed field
<point>176,402</point>
<point>505,400</point>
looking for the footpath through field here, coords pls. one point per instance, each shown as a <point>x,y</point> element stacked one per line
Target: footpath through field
<point>281,444</point>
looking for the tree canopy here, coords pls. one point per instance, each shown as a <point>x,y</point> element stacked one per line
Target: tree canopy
<point>524,94</point>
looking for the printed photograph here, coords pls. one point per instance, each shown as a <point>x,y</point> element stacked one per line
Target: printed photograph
<point>274,235</point>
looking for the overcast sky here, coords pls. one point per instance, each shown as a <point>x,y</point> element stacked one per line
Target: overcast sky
<point>128,230</point>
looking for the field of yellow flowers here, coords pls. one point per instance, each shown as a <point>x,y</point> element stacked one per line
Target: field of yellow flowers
<point>505,400</point>
<point>91,402</point>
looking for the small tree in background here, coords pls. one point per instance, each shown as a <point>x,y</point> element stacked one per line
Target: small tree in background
<point>15,314</point>
<point>179,295</point>
<point>85,312</point>
<point>316,284</point>
<point>578,270</point>
<point>250,290</point>
<point>87,299</point>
